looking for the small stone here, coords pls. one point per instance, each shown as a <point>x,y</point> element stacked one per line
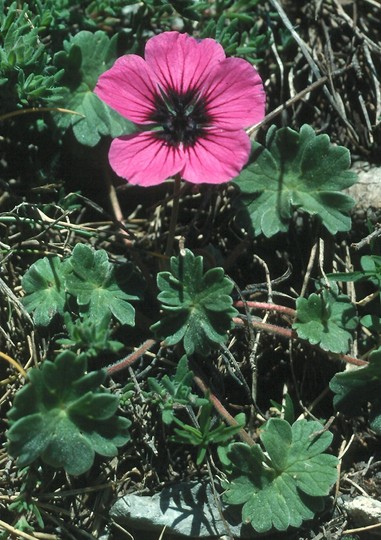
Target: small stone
<point>186,509</point>
<point>363,511</point>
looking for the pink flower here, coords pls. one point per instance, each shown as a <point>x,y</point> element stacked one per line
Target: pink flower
<point>192,103</point>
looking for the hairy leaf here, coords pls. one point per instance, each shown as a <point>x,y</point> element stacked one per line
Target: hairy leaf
<point>285,486</point>
<point>63,416</point>
<point>326,319</point>
<point>296,171</point>
<point>198,307</point>
<point>87,55</point>
<point>101,288</point>
<point>44,284</point>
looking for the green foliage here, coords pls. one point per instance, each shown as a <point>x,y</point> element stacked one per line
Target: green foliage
<point>356,388</point>
<point>371,270</point>
<point>100,288</point>
<point>26,73</point>
<point>63,416</point>
<point>296,171</point>
<point>44,285</point>
<point>204,433</point>
<point>285,409</point>
<point>84,58</point>
<point>25,508</point>
<point>198,306</point>
<point>235,30</point>
<point>91,336</point>
<point>287,484</point>
<point>171,392</point>
<point>158,9</point>
<point>326,319</point>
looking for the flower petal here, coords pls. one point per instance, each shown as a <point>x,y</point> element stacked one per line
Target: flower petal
<point>144,159</point>
<point>217,157</point>
<point>129,87</point>
<point>181,62</point>
<point>235,95</point>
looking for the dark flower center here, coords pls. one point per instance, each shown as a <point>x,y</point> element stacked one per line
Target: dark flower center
<point>181,117</point>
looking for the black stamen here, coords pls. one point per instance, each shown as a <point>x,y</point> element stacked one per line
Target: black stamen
<point>182,117</point>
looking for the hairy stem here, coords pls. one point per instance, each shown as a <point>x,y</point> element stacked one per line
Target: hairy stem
<point>245,437</point>
<point>290,334</point>
<point>267,306</point>
<point>131,358</point>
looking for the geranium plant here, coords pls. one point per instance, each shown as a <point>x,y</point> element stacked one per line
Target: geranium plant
<point>110,372</point>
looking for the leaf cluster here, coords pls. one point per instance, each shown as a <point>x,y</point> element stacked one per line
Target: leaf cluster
<point>295,171</point>
<point>171,392</point>
<point>235,30</point>
<point>285,484</point>
<point>88,283</point>
<point>204,433</point>
<point>90,336</point>
<point>27,75</point>
<point>64,417</point>
<point>198,306</point>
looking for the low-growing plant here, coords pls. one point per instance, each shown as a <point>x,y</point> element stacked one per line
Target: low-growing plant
<point>171,117</point>
<point>285,484</point>
<point>169,393</point>
<point>295,171</point>
<point>205,433</point>
<point>198,306</point>
<point>64,417</point>
<point>88,285</point>
<point>327,319</point>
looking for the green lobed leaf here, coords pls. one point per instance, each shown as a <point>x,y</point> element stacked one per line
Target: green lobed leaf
<point>198,306</point>
<point>286,486</point>
<point>296,171</point>
<point>63,416</point>
<point>101,288</point>
<point>87,55</point>
<point>44,285</point>
<point>356,388</point>
<point>326,319</point>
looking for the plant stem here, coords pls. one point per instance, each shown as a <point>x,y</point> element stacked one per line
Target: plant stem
<point>290,334</point>
<point>37,110</point>
<point>245,437</point>
<point>267,306</point>
<point>174,216</point>
<point>131,358</point>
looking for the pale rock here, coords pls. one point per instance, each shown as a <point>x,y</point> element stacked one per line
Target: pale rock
<point>188,510</point>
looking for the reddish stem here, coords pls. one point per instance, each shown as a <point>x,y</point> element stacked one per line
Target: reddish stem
<point>290,334</point>
<point>352,360</point>
<point>267,306</point>
<point>245,437</point>
<point>131,358</point>
<point>271,328</point>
